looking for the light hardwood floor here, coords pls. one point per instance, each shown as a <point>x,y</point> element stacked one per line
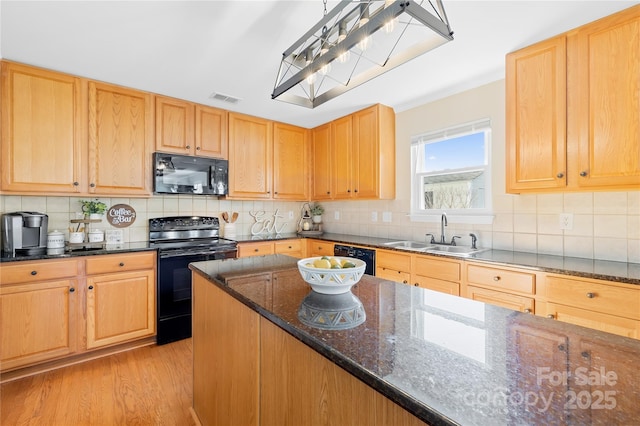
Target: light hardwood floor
<point>145,386</point>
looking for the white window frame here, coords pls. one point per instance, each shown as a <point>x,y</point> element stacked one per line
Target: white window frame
<point>473,216</point>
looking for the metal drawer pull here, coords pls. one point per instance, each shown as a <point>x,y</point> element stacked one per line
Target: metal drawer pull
<point>550,316</point>
<point>71,290</point>
<point>121,263</point>
<point>497,278</point>
<point>561,347</point>
<point>527,311</point>
<point>90,287</point>
<point>591,295</point>
<point>34,272</point>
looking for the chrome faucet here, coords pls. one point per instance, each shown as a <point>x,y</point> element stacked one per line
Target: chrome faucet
<point>443,223</point>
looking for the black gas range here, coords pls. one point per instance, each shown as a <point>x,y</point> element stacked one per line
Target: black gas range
<point>181,240</point>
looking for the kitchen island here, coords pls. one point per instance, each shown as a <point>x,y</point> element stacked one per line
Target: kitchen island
<point>419,357</point>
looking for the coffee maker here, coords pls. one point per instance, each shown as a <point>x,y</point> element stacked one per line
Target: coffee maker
<point>24,234</point>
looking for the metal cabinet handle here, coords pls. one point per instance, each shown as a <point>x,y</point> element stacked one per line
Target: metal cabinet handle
<point>34,272</point>
<point>583,173</point>
<point>585,354</point>
<point>197,148</point>
<point>560,175</point>
<point>497,278</point>
<point>550,316</point>
<point>591,295</point>
<point>256,250</point>
<point>76,183</point>
<point>405,282</point>
<point>121,264</point>
<point>416,285</point>
<point>93,185</point>
<point>90,287</point>
<point>71,290</point>
<point>561,347</point>
<point>527,311</point>
<point>188,147</point>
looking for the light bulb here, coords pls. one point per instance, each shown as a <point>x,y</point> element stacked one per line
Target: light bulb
<point>325,69</point>
<point>344,57</point>
<point>311,78</point>
<point>364,43</point>
<point>390,25</point>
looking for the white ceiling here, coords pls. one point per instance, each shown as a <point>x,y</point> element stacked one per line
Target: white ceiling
<point>190,49</point>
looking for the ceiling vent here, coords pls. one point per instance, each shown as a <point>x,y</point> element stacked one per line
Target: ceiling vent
<point>224,98</point>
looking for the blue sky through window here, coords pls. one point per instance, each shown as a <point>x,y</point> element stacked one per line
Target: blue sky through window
<point>455,153</point>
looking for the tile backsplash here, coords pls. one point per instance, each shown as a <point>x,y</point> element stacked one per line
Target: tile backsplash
<point>606,225</point>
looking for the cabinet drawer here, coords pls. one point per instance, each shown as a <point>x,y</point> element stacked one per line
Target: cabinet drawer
<point>25,272</point>
<point>319,248</point>
<point>393,260</point>
<point>120,263</point>
<point>290,247</point>
<point>594,296</point>
<point>392,275</point>
<point>255,249</point>
<point>427,266</point>
<point>437,285</point>
<point>595,320</point>
<point>501,279</point>
<point>498,298</point>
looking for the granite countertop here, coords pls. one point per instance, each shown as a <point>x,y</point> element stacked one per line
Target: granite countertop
<point>451,360</point>
<point>107,249</point>
<point>622,272</point>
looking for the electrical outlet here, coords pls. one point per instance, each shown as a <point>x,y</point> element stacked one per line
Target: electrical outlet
<point>386,216</point>
<point>290,214</point>
<point>336,215</point>
<point>374,216</point>
<point>566,221</point>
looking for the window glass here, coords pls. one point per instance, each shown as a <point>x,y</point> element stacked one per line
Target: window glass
<point>451,169</point>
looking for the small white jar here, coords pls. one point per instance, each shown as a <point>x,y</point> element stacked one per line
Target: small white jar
<point>96,236</point>
<point>55,240</point>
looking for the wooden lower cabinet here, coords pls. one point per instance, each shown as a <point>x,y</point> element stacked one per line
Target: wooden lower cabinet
<point>120,307</point>
<point>248,371</point>
<point>53,309</point>
<point>319,248</point>
<point>506,300</point>
<point>443,275</point>
<point>293,247</point>
<point>260,248</point>
<point>38,322</point>
<point>393,266</point>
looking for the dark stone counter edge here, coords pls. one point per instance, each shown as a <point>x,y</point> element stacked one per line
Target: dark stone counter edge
<point>418,409</point>
<point>124,248</point>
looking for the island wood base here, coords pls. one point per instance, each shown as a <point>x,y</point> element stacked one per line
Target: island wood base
<point>249,371</point>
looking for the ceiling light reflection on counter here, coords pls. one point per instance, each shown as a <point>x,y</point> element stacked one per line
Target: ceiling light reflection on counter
<point>346,49</point>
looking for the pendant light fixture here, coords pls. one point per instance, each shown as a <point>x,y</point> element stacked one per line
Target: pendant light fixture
<point>356,42</point>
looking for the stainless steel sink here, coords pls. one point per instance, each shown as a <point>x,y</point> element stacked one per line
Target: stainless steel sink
<point>454,250</point>
<point>408,245</point>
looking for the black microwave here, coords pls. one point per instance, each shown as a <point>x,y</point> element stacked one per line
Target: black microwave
<point>184,174</point>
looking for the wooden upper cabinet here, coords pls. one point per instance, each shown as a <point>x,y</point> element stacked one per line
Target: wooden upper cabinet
<point>342,135</point>
<point>42,130</point>
<point>250,156</point>
<point>364,154</point>
<point>321,149</point>
<point>175,122</point>
<point>211,132</point>
<point>120,140</point>
<point>536,116</point>
<point>290,162</point>
<point>573,114</point>
<point>190,129</point>
<point>604,101</point>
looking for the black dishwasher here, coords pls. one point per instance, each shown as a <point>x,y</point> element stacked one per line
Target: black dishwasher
<point>366,255</point>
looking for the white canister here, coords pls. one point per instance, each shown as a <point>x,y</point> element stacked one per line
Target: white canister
<point>230,231</point>
<point>55,239</point>
<point>76,237</point>
<point>96,236</point>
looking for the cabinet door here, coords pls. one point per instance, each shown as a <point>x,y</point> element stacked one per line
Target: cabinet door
<point>174,126</point>
<point>604,322</point>
<point>293,248</point>
<point>42,132</point>
<point>436,284</point>
<point>211,132</point>
<point>604,109</point>
<point>319,248</point>
<point>342,133</point>
<point>120,307</point>
<point>321,185</point>
<point>250,156</point>
<point>38,322</point>
<point>498,298</point>
<point>290,162</point>
<point>260,248</point>
<point>120,140</point>
<point>365,167</point>
<point>536,116</point>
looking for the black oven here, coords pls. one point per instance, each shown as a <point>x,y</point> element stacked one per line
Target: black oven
<point>181,240</point>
